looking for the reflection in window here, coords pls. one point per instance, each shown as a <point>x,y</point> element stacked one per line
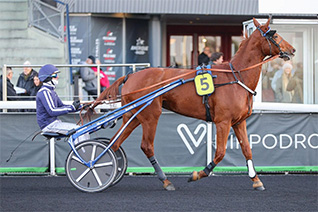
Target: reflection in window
<point>213,42</point>
<point>282,81</point>
<point>180,51</point>
<point>236,40</point>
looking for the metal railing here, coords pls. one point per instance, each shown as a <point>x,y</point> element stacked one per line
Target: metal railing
<point>47,18</point>
<point>5,104</point>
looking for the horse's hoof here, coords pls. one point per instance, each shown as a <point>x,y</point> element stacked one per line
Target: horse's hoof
<point>168,186</point>
<point>194,176</point>
<point>258,185</point>
<point>197,176</point>
<point>262,188</point>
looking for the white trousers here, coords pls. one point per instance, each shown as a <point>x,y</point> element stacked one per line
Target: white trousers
<point>58,126</point>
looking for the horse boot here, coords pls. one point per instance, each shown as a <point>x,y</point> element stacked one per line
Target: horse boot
<point>203,173</point>
<point>167,185</point>
<point>257,183</point>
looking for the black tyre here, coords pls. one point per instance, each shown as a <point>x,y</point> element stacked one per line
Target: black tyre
<point>95,179</point>
<point>121,161</point>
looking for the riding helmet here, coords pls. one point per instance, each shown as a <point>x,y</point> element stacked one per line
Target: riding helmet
<point>45,73</point>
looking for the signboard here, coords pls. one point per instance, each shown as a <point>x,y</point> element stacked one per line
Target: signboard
<point>278,141</point>
<point>137,49</point>
<point>106,43</point>
<point>288,6</point>
<point>79,38</point>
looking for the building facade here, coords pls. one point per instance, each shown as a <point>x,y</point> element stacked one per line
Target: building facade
<point>174,33</point>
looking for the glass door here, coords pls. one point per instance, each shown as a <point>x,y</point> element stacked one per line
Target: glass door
<point>181,51</point>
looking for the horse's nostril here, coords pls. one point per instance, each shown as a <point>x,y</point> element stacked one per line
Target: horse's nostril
<point>294,50</point>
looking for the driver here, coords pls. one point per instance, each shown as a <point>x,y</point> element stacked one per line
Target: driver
<point>49,106</point>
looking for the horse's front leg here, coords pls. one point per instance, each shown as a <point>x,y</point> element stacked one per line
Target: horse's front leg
<point>241,135</point>
<point>222,130</point>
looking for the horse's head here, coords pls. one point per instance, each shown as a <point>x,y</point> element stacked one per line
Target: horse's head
<point>273,43</point>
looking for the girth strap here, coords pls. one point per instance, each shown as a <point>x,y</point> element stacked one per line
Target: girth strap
<point>207,108</point>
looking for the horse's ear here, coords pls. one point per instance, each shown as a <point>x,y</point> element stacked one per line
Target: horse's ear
<point>267,23</point>
<point>255,22</point>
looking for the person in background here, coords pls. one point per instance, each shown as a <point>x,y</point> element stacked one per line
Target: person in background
<point>282,95</point>
<point>295,84</point>
<point>25,79</point>
<point>104,82</point>
<point>204,57</point>
<point>37,86</point>
<point>216,58</point>
<point>11,93</point>
<point>49,106</point>
<point>89,77</point>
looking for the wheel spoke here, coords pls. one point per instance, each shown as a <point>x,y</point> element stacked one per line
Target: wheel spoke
<point>97,177</point>
<point>77,159</point>
<point>103,164</point>
<point>93,152</point>
<point>82,175</point>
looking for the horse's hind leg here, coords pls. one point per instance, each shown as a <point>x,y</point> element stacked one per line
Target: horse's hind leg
<point>241,135</point>
<point>149,126</point>
<point>131,126</point>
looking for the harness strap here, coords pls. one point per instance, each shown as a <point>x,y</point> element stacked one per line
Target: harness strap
<point>241,83</point>
<point>207,108</point>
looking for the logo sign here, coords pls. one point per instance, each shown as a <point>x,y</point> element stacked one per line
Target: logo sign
<point>109,57</point>
<point>184,128</point>
<point>109,39</point>
<point>139,48</point>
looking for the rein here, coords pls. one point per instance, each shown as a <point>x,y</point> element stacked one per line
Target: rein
<point>211,69</point>
<point>186,74</point>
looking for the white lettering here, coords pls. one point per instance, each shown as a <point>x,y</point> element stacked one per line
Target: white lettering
<point>233,142</point>
<point>258,139</point>
<point>309,141</point>
<point>281,141</point>
<point>275,141</point>
<point>300,141</point>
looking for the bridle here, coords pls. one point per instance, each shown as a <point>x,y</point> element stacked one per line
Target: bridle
<point>269,34</point>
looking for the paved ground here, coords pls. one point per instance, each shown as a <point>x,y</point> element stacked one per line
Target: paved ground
<point>144,193</point>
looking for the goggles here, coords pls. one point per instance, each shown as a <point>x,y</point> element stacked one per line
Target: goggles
<point>54,75</point>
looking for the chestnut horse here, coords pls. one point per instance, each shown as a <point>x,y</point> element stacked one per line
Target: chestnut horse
<point>230,104</point>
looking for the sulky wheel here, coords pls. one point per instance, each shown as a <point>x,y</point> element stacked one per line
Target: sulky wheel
<point>121,161</point>
<point>94,179</point>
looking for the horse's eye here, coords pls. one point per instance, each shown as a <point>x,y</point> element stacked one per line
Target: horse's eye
<point>275,36</point>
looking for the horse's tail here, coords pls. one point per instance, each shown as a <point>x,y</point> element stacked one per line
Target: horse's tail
<point>111,94</point>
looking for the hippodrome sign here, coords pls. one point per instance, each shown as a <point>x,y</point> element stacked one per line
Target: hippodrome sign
<point>268,141</point>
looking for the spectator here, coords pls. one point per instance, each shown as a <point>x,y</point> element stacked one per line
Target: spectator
<point>49,106</point>
<point>216,58</point>
<point>104,82</point>
<point>295,84</point>
<point>89,77</point>
<point>25,79</point>
<point>11,93</point>
<point>37,85</point>
<point>282,95</point>
<point>204,57</point>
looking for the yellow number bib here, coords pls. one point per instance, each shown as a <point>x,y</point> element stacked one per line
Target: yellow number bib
<point>204,84</point>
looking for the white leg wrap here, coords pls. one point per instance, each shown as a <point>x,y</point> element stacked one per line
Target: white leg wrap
<point>251,169</point>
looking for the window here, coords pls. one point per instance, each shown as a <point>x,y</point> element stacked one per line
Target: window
<point>292,81</point>
<point>181,51</point>
<point>236,40</point>
<point>214,42</point>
